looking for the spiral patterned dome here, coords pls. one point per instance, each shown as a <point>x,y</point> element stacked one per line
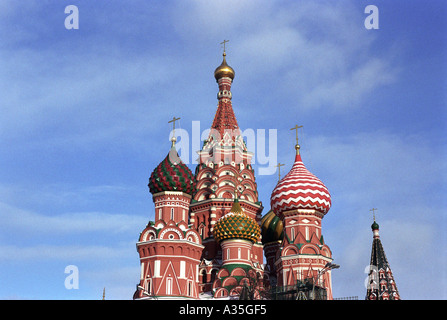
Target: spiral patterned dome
<point>272,228</point>
<point>236,225</point>
<point>300,189</point>
<point>172,175</point>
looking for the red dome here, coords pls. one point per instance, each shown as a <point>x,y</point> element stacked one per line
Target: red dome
<point>300,189</point>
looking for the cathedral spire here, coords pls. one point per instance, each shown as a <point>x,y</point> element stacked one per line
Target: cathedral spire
<point>381,284</point>
<point>225,120</point>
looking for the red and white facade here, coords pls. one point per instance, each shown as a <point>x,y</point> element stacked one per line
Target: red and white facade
<point>179,254</point>
<point>301,200</point>
<point>169,251</point>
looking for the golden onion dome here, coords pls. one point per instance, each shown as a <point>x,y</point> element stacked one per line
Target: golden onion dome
<point>272,228</point>
<point>224,70</point>
<point>236,225</point>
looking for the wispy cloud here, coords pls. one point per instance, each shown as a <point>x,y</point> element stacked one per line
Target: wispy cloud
<point>34,224</point>
<point>63,252</point>
<point>398,175</point>
<point>334,69</point>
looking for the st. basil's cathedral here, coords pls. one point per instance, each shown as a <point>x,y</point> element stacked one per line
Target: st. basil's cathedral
<point>209,238</point>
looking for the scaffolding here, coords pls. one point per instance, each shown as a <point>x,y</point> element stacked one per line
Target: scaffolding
<point>302,290</point>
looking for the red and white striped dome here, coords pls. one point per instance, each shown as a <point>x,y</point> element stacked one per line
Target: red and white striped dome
<point>300,189</point>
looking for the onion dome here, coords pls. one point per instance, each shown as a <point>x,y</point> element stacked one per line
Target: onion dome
<point>272,228</point>
<point>172,175</point>
<point>224,70</point>
<point>375,226</point>
<point>300,189</point>
<point>236,225</point>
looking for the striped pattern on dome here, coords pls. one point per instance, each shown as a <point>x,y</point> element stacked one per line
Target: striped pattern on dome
<point>236,225</point>
<point>172,175</point>
<point>300,189</point>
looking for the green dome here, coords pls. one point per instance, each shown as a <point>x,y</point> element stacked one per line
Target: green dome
<point>375,226</point>
<point>272,228</point>
<point>236,225</point>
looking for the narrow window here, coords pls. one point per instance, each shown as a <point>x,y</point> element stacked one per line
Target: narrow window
<point>168,285</point>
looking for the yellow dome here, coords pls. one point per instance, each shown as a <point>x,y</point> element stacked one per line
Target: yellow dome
<point>236,225</point>
<point>224,70</point>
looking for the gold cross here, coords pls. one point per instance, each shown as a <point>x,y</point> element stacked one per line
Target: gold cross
<point>279,170</point>
<point>223,42</point>
<point>174,119</point>
<point>374,214</point>
<point>174,138</point>
<point>296,127</point>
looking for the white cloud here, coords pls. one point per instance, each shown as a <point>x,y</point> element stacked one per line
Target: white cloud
<point>318,53</point>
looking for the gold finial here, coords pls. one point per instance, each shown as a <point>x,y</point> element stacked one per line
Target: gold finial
<point>174,138</point>
<point>279,165</point>
<point>224,70</point>
<point>224,42</point>
<point>104,294</point>
<point>297,146</point>
<point>374,214</point>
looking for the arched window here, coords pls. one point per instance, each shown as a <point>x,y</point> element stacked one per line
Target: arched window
<point>172,213</point>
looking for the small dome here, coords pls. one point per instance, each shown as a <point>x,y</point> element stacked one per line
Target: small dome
<point>236,225</point>
<point>375,226</point>
<point>272,228</point>
<point>172,175</point>
<point>300,189</point>
<point>224,70</point>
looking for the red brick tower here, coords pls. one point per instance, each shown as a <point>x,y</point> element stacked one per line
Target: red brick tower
<point>237,232</point>
<point>224,166</point>
<point>301,200</point>
<point>169,250</point>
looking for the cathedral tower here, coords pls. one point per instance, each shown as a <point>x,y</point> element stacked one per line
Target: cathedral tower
<point>301,200</point>
<point>169,249</point>
<point>224,166</point>
<point>381,284</point>
<point>237,232</point>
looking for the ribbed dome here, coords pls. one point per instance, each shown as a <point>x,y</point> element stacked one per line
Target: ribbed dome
<point>236,225</point>
<point>300,189</point>
<point>271,228</point>
<point>172,175</point>
<point>224,70</point>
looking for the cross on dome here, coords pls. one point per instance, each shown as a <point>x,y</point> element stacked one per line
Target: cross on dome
<point>174,138</point>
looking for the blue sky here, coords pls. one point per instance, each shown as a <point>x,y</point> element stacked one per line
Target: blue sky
<point>84,122</point>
